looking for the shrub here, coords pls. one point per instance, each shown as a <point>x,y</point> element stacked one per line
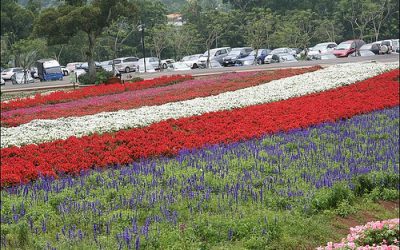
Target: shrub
<point>102,76</point>
<point>331,198</point>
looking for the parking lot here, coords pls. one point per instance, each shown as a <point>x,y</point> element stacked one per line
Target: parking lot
<point>9,87</point>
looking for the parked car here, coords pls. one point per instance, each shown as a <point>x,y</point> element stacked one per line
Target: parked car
<point>386,46</point>
<point>152,63</point>
<point>235,54</point>
<point>268,58</point>
<point>344,49</point>
<point>217,54</point>
<point>6,74</point>
<point>34,72</point>
<point>125,64</point>
<point>369,49</point>
<point>215,64</point>
<point>282,58</point>
<point>321,48</point>
<point>192,61</point>
<point>249,60</point>
<point>178,66</point>
<point>72,66</point>
<point>85,66</point>
<point>19,78</point>
<point>167,63</point>
<point>65,70</point>
<point>324,56</point>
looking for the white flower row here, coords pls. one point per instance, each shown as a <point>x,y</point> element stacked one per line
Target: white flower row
<point>38,131</point>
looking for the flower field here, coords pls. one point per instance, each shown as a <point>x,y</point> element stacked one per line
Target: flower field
<point>237,161</point>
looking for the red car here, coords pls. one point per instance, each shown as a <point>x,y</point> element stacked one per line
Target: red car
<point>344,49</point>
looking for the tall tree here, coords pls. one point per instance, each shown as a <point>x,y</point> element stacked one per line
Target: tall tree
<point>297,29</point>
<point>16,21</point>
<point>381,11</point>
<point>216,25</point>
<point>158,39</point>
<point>260,26</point>
<point>91,18</point>
<point>184,40</point>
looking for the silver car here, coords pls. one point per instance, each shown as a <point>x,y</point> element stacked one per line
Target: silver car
<point>192,61</point>
<point>217,54</point>
<point>125,64</point>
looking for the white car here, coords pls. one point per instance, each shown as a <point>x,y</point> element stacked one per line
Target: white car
<point>192,61</point>
<point>152,63</point>
<point>178,66</point>
<point>322,48</point>
<point>268,59</point>
<point>65,70</point>
<point>167,63</point>
<point>8,73</point>
<point>19,78</point>
<point>72,66</point>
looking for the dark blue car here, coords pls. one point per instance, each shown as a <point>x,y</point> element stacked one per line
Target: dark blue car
<point>249,60</point>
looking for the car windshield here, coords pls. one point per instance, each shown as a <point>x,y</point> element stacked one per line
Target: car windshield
<point>211,53</point>
<point>53,70</point>
<point>343,46</point>
<point>254,52</point>
<point>235,52</point>
<point>318,47</point>
<point>277,51</point>
<point>186,58</point>
<point>366,47</point>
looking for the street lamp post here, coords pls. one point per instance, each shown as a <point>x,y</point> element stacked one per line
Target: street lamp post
<point>141,28</point>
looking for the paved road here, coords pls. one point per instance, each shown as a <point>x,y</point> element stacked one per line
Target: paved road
<point>8,87</point>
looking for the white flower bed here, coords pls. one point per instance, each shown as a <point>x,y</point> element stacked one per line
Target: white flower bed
<point>38,131</point>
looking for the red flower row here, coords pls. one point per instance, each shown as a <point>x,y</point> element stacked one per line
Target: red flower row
<point>155,96</point>
<point>169,137</point>
<point>62,96</point>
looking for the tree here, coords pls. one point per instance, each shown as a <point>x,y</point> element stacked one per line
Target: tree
<point>91,18</point>
<point>216,24</point>
<point>382,10</point>
<point>358,13</point>
<point>24,48</point>
<point>16,21</point>
<point>158,39</point>
<point>260,26</point>
<point>298,29</point>
<point>27,61</point>
<point>184,40</point>
<point>329,30</point>
<point>118,32</point>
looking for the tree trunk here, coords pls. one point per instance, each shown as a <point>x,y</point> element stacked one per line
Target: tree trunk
<point>90,55</point>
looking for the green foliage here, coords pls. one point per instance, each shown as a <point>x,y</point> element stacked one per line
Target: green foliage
<point>331,198</point>
<point>344,209</point>
<point>102,76</point>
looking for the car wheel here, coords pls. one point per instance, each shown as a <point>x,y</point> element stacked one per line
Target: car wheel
<point>127,70</point>
<point>259,61</point>
<point>164,66</point>
<point>195,66</point>
<point>66,73</point>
